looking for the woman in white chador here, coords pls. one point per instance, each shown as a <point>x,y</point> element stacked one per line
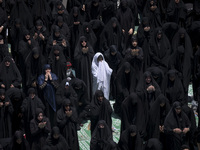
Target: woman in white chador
<point>101,73</point>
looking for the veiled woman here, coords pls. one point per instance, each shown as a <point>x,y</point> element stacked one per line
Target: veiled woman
<point>101,138</point>
<point>40,127</point>
<point>160,49</point>
<point>157,115</point>
<point>83,56</point>
<point>130,139</point>
<point>10,75</point>
<point>176,127</point>
<point>100,110</point>
<point>101,75</point>
<point>132,112</point>
<point>182,56</point>
<point>67,123</point>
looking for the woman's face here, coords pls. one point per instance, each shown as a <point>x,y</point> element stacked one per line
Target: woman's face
<point>127,70</point>
<point>27,37</point>
<point>7,63</point>
<point>95,4</point>
<point>100,98</point>
<point>36,56</point>
<point>56,54</point>
<point>159,35</point>
<point>113,53</point>
<point>48,70</point>
<point>57,34</point>
<point>133,134</point>
<point>17,25</point>
<point>19,141</point>
<point>148,79</point>
<point>172,78</point>
<point>60,23</point>
<point>32,95</point>
<point>114,24</point>
<point>178,110</point>
<point>134,43</point>
<point>177,1</point>
<point>162,104</point>
<point>100,58</point>
<point>101,126</point>
<point>40,117</point>
<point>2,96</point>
<point>56,136</point>
<point>83,43</point>
<point>39,27</point>
<point>67,107</point>
<point>75,14</point>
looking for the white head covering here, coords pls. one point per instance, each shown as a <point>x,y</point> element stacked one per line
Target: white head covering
<point>101,75</point>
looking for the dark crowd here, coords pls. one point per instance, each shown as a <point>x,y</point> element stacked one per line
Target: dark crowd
<point>61,65</point>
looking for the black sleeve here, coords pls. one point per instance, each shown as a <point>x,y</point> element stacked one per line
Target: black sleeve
<point>47,128</point>
<point>34,128</point>
<point>61,121</point>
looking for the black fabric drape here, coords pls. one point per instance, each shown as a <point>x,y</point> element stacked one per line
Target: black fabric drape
<point>172,121</point>
<point>128,142</point>
<point>39,135</point>
<point>143,37</point>
<point>112,35</point>
<point>153,15</point>
<point>132,112</point>
<point>9,74</point>
<point>21,11</point>
<point>6,112</point>
<point>83,64</point>
<point>68,125</point>
<point>160,49</point>
<point>24,145</point>
<point>100,111</point>
<point>56,144</point>
<point>182,56</point>
<point>173,90</point>
<point>157,115</point>
<point>101,138</point>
